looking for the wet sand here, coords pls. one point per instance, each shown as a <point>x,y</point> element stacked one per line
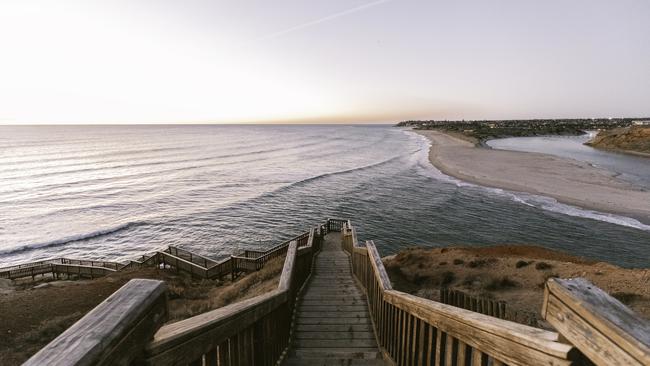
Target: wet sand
<point>568,181</point>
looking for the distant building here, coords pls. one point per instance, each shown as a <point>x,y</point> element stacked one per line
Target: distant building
<point>641,123</point>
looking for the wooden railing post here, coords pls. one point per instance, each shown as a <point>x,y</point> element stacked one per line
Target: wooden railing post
<point>604,329</point>
<point>113,333</point>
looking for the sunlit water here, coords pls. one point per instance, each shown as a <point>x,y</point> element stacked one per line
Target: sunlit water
<point>115,192</point>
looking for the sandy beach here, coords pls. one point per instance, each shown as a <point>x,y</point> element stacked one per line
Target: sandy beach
<point>568,181</point>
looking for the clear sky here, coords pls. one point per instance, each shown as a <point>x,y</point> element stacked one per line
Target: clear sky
<point>157,61</point>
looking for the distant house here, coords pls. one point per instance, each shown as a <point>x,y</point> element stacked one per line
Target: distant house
<point>641,123</point>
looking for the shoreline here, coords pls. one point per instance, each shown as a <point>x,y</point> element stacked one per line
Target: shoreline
<point>568,181</point>
<point>622,151</point>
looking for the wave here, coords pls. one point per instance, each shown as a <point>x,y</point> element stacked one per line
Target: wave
<point>340,172</point>
<point>254,201</point>
<point>81,154</point>
<point>71,239</point>
<point>552,205</point>
<point>156,172</point>
<point>532,200</point>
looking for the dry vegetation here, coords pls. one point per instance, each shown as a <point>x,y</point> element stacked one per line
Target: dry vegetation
<point>33,314</point>
<point>514,274</point>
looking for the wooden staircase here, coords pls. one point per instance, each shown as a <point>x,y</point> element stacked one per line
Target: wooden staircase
<point>332,324</point>
<point>318,316</point>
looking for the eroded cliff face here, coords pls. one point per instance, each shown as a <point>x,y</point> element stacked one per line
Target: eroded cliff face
<point>633,139</point>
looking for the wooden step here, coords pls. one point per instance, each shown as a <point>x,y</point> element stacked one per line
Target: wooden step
<point>334,343</point>
<point>333,314</point>
<point>316,297</point>
<point>337,320</point>
<point>333,301</point>
<point>335,335</point>
<point>338,286</point>
<point>334,328</point>
<point>369,353</point>
<point>333,293</point>
<point>333,362</point>
<point>330,308</point>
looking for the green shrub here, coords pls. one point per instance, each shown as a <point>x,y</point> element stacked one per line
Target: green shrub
<point>479,263</point>
<point>500,284</point>
<point>447,278</point>
<point>521,264</point>
<point>626,297</point>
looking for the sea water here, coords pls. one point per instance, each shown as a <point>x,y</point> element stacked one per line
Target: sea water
<point>115,192</point>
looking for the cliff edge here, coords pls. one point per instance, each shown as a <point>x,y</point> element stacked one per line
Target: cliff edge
<point>634,139</point>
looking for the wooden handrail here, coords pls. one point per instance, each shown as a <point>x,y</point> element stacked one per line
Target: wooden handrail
<point>190,339</point>
<point>113,333</point>
<point>192,257</point>
<point>257,327</point>
<point>413,330</point>
<point>576,307</point>
<point>180,263</point>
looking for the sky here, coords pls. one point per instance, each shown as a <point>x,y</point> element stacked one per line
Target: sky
<point>334,61</point>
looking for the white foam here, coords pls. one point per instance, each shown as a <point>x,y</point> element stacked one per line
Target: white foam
<point>68,239</point>
<point>424,167</point>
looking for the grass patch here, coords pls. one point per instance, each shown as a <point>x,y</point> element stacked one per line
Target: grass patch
<point>626,297</point>
<point>198,299</point>
<point>458,261</point>
<point>542,266</point>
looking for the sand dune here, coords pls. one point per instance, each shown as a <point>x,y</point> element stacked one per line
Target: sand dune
<point>568,181</point>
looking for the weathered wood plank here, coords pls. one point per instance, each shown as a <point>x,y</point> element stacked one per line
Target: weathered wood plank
<point>287,269</point>
<point>333,314</point>
<point>335,343</point>
<point>334,327</point>
<point>576,307</point>
<point>514,343</point>
<point>345,334</point>
<point>114,332</point>
<point>378,266</point>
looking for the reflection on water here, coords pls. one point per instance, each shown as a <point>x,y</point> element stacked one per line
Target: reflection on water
<point>634,169</point>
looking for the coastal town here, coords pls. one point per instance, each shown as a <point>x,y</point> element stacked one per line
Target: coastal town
<point>489,129</point>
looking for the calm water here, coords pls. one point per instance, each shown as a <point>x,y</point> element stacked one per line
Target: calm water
<point>633,169</point>
<point>116,192</point>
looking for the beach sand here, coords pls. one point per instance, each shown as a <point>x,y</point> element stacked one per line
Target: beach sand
<point>568,181</point>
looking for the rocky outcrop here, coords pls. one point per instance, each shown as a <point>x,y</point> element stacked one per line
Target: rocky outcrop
<point>634,139</point>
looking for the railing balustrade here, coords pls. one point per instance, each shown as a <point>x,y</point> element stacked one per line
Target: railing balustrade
<point>410,330</point>
<point>250,332</point>
<point>416,331</point>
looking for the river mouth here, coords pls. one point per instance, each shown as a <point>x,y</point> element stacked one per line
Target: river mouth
<point>109,192</point>
<point>630,168</point>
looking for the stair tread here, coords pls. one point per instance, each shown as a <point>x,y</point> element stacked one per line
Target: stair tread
<point>332,325</point>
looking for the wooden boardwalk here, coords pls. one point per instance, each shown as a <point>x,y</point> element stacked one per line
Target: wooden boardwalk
<point>318,316</point>
<point>332,325</point>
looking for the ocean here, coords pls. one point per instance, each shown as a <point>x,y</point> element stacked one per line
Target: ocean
<point>116,192</point>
